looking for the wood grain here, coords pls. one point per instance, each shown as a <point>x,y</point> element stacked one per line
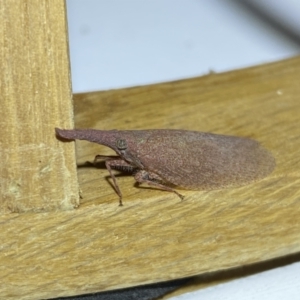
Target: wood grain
<point>155,236</point>
<point>37,172</point>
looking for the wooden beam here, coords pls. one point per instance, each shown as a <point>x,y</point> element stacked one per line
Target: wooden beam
<point>38,173</point>
<point>155,236</point>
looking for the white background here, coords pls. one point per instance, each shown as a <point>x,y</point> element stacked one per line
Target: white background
<point>123,43</point>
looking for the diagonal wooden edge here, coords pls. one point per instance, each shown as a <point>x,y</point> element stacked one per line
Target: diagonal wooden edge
<point>155,237</point>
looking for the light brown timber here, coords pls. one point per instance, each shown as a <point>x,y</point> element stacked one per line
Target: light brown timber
<point>156,237</point>
<point>37,173</point>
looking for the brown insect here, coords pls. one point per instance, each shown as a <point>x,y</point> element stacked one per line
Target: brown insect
<point>166,158</point>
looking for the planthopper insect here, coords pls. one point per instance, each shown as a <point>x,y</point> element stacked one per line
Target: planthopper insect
<point>169,158</point>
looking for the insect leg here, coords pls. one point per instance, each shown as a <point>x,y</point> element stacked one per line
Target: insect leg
<point>118,164</point>
<point>153,179</point>
<point>105,157</point>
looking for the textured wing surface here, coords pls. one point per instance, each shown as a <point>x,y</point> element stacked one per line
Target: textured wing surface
<point>196,160</point>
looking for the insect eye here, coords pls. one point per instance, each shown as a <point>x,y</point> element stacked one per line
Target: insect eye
<point>121,144</point>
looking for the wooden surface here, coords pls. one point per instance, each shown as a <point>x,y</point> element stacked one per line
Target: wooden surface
<point>35,97</point>
<point>155,236</point>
